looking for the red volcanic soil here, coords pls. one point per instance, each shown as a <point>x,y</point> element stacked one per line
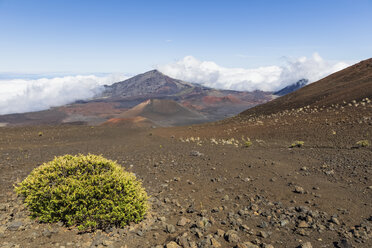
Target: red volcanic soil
<point>219,100</point>
<point>190,105</point>
<point>164,113</point>
<point>134,122</point>
<point>93,108</point>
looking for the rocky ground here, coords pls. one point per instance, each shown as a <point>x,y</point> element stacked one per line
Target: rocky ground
<point>235,183</point>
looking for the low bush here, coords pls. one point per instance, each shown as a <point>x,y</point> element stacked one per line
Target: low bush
<point>247,143</point>
<point>297,144</point>
<point>87,191</point>
<point>362,143</point>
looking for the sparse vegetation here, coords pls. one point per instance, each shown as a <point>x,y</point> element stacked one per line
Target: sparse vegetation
<point>87,191</point>
<point>297,143</point>
<point>40,134</point>
<point>247,143</point>
<point>362,143</point>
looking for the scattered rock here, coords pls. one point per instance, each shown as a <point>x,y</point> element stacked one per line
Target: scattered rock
<point>232,236</point>
<point>284,222</point>
<point>14,226</point>
<point>246,245</point>
<point>47,233</point>
<point>299,190</point>
<point>344,244</point>
<point>263,234</point>
<point>215,243</point>
<point>306,245</point>
<point>196,154</point>
<point>172,244</point>
<point>335,221</point>
<point>170,228</point>
<point>220,233</point>
<point>303,224</point>
<point>183,221</point>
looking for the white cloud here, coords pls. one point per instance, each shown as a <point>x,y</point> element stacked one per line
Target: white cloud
<point>25,95</point>
<point>22,95</point>
<point>269,78</point>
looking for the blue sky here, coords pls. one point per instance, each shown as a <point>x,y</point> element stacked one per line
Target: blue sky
<point>70,36</point>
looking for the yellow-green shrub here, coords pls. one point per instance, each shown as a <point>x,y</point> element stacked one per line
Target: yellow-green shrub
<point>362,143</point>
<point>88,191</point>
<point>297,143</point>
<point>247,143</point>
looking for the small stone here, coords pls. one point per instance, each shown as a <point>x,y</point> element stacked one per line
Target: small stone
<point>196,154</point>
<point>220,233</point>
<point>246,245</point>
<point>172,244</point>
<point>299,190</point>
<point>263,234</point>
<point>107,242</point>
<point>344,244</point>
<point>2,231</point>
<point>303,224</point>
<point>47,233</point>
<point>183,221</point>
<point>263,224</point>
<point>14,226</point>
<point>254,207</point>
<point>182,240</point>
<point>306,245</point>
<point>3,207</point>
<point>330,172</point>
<point>335,221</point>
<point>284,222</point>
<point>215,243</point>
<point>162,219</point>
<point>232,236</point>
<point>170,228</point>
<point>198,233</point>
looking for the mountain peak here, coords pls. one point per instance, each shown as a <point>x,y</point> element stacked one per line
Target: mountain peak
<point>153,72</point>
<point>148,84</point>
<point>291,88</point>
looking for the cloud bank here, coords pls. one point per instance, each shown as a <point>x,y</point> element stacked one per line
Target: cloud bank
<point>18,95</point>
<point>269,78</point>
<point>25,95</point>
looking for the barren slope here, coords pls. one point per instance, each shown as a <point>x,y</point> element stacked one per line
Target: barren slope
<point>164,112</point>
<point>352,83</point>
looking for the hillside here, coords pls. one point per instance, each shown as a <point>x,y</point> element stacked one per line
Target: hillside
<point>352,83</point>
<point>164,113</point>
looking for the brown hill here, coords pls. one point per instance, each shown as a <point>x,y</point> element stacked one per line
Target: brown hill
<point>352,83</point>
<point>164,113</point>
